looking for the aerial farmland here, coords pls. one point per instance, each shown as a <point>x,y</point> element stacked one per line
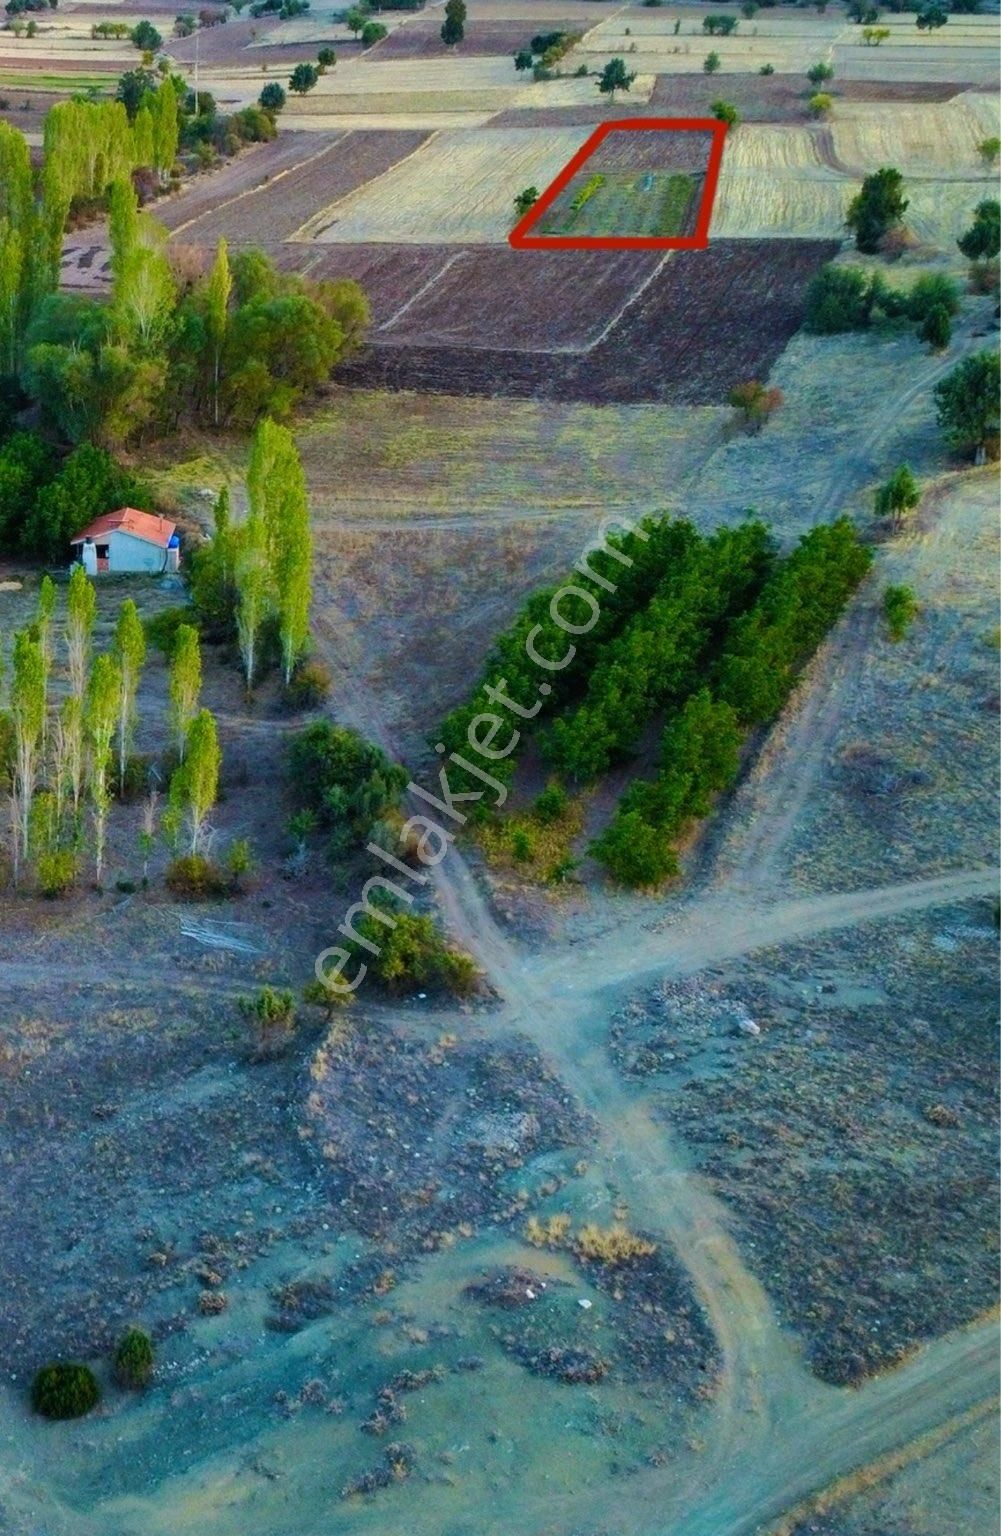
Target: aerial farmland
<point>498,896</point>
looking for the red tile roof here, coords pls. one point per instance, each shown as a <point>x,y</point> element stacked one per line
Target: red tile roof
<point>141,525</point>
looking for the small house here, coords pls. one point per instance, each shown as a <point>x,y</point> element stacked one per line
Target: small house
<point>128,540</point>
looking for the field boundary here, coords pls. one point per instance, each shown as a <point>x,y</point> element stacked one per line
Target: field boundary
<point>522,239</point>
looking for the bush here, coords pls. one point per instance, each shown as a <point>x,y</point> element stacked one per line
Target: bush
<point>634,852</point>
<point>239,861</point>
<point>982,241</point>
<point>310,685</point>
<point>134,1360</point>
<point>373,32</point>
<point>932,290</point>
<point>145,37</point>
<point>272,1013</point>
<point>711,63</point>
<point>193,877</point>
<point>767,69</point>
<point>838,299</point>
<point>818,73</point>
<point>967,403</point>
<point>725,112</point>
<point>900,608</point>
<point>985,277</point>
<point>936,328</point>
<point>820,105</point>
<point>346,781</point>
<point>161,629</point>
<point>55,870</point>
<point>64,1391</point>
<point>551,804</point>
<point>412,953</point>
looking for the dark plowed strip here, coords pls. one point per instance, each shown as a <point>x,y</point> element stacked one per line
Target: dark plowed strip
<point>707,318</point>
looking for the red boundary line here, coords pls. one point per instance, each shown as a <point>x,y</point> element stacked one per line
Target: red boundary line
<point>521,240</point>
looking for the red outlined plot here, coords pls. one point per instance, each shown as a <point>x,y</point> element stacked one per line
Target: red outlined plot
<point>522,240</point>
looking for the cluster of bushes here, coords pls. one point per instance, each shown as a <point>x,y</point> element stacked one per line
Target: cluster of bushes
<point>623,573</point>
<point>545,51</point>
<point>412,952</point>
<point>663,650</point>
<point>853,299</point>
<point>762,654</point>
<point>208,134</point>
<point>44,503</point>
<point>343,783</point>
<point>68,1390</point>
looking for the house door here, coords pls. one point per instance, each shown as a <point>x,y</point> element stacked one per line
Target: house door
<point>102,557</point>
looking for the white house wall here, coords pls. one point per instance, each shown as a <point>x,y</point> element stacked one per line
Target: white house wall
<point>126,553</point>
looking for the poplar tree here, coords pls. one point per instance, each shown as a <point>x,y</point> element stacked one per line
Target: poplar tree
<point>101,713</point>
<point>27,712</point>
<point>11,286</point>
<point>217,291</point>
<point>276,492</point>
<point>143,289</point>
<point>251,576</point>
<point>166,127</point>
<point>185,684</point>
<point>130,654</point>
<point>43,619</point>
<point>195,784</point>
<point>142,137</point>
<point>293,568</point>
<point>67,754</point>
<point>81,608</point>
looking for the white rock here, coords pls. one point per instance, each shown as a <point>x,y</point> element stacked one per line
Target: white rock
<point>582,1301</point>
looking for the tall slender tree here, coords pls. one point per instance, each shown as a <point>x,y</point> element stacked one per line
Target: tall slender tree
<point>130,654</point>
<point>195,783</point>
<point>185,684</point>
<point>100,715</point>
<point>217,291</point>
<point>81,610</point>
<point>27,711</point>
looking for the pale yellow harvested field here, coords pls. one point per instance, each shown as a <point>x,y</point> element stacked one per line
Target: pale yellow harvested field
<point>809,207</point>
<point>926,139</point>
<point>345,122</point>
<point>772,148</point>
<point>789,44</point>
<point>460,187</point>
<point>940,211</point>
<point>385,108</point>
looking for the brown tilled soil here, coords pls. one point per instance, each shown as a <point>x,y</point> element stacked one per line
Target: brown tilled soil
<point>707,319</point>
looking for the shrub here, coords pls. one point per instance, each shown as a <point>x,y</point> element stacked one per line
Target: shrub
<point>551,803</point>
<point>346,781</point>
<point>193,877</point>
<point>64,1391</point>
<point>134,1360</point>
<point>989,150</point>
<point>932,290</point>
<point>818,73</point>
<point>838,299</point>
<point>634,852</point>
<point>820,105</point>
<point>982,241</point>
<point>611,1245</point>
<point>310,685</point>
<point>551,1233</point>
<point>711,63</point>
<point>900,608</point>
<point>936,328</point>
<point>272,1014</point>
<point>161,629</point>
<point>55,871</point>
<point>726,112</point>
<point>326,58</point>
<point>522,845</point>
<point>145,37</point>
<point>985,277</point>
<point>411,953</point>
<point>373,32</point>
<point>239,861</point>
<point>525,199</point>
<point>767,69</point>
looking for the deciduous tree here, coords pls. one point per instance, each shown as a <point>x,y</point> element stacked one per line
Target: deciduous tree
<point>130,654</point>
<point>81,610</point>
<point>185,684</point>
<point>100,715</point>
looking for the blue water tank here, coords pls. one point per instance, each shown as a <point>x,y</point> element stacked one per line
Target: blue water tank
<point>173,542</point>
